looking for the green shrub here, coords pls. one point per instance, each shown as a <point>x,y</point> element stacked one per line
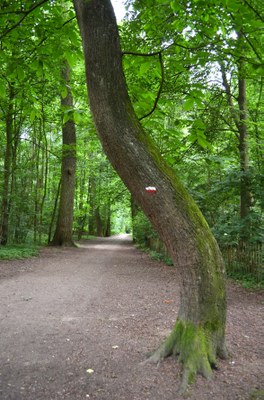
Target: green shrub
<point>11,252</point>
<point>142,229</point>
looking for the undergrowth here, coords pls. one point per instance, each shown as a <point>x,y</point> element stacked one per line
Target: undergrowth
<point>155,255</point>
<point>245,279</point>
<point>11,252</point>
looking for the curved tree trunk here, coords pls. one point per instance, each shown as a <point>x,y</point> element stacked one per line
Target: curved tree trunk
<point>63,232</point>
<point>198,336</point>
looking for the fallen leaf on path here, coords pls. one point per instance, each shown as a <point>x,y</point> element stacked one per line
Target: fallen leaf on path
<point>167,301</point>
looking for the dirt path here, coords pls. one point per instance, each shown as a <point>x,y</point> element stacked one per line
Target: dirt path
<point>103,307</point>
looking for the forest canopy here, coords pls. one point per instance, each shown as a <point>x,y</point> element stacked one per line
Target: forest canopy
<point>194,71</point>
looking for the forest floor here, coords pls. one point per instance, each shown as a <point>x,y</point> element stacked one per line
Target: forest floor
<point>77,323</point>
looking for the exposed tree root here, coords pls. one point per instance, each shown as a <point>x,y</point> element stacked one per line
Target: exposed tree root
<point>197,349</point>
<point>62,243</point>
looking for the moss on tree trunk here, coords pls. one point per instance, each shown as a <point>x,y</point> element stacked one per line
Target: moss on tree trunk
<point>196,347</point>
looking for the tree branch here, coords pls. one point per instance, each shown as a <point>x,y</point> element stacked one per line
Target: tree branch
<point>254,10</point>
<point>26,13</point>
<point>134,53</point>
<point>159,91</point>
<point>40,146</point>
<point>230,103</point>
<point>47,37</point>
<point>251,45</point>
<point>155,53</point>
<point>159,53</point>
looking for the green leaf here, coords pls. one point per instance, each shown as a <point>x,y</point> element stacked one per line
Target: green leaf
<point>199,124</point>
<point>64,92</point>
<point>33,114</point>
<point>144,68</point>
<point>202,141</point>
<point>77,116</point>
<point>71,58</point>
<point>20,73</point>
<point>66,118</point>
<point>2,90</point>
<point>189,103</point>
<point>174,6</point>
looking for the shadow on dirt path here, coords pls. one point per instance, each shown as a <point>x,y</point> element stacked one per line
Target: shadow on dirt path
<point>77,323</point>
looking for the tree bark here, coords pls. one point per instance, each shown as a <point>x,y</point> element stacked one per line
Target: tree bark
<point>245,194</point>
<point>38,185</point>
<point>63,231</point>
<point>239,116</point>
<point>92,206</point>
<point>7,168</point>
<point>44,170</point>
<point>81,201</point>
<point>199,333</point>
<point>54,211</point>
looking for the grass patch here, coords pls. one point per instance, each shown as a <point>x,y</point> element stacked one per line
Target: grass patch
<point>155,255</point>
<point>246,280</point>
<point>14,252</point>
<point>257,395</point>
<point>160,257</point>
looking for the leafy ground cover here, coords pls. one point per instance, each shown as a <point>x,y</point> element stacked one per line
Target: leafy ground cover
<point>18,251</point>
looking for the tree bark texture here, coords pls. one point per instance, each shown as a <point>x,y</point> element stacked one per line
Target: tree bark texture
<point>7,168</point>
<point>245,195</point>
<point>198,336</point>
<point>240,118</point>
<point>63,231</point>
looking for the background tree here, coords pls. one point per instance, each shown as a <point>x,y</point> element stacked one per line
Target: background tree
<point>63,232</point>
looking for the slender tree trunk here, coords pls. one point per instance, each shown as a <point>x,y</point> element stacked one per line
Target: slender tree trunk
<point>99,223</point>
<point>199,333</point>
<point>44,171</point>
<point>63,232</point>
<point>12,226</point>
<point>92,210</point>
<point>256,118</point>
<point>240,119</point>
<point>245,194</point>
<point>107,231</point>
<point>37,178</point>
<point>80,202</point>
<point>7,168</point>
<point>54,211</point>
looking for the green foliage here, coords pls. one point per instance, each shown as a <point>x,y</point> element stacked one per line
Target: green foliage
<point>247,280</point>
<point>142,229</point>
<point>12,252</point>
<point>257,394</point>
<point>160,257</point>
<point>191,123</point>
<point>147,239</point>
